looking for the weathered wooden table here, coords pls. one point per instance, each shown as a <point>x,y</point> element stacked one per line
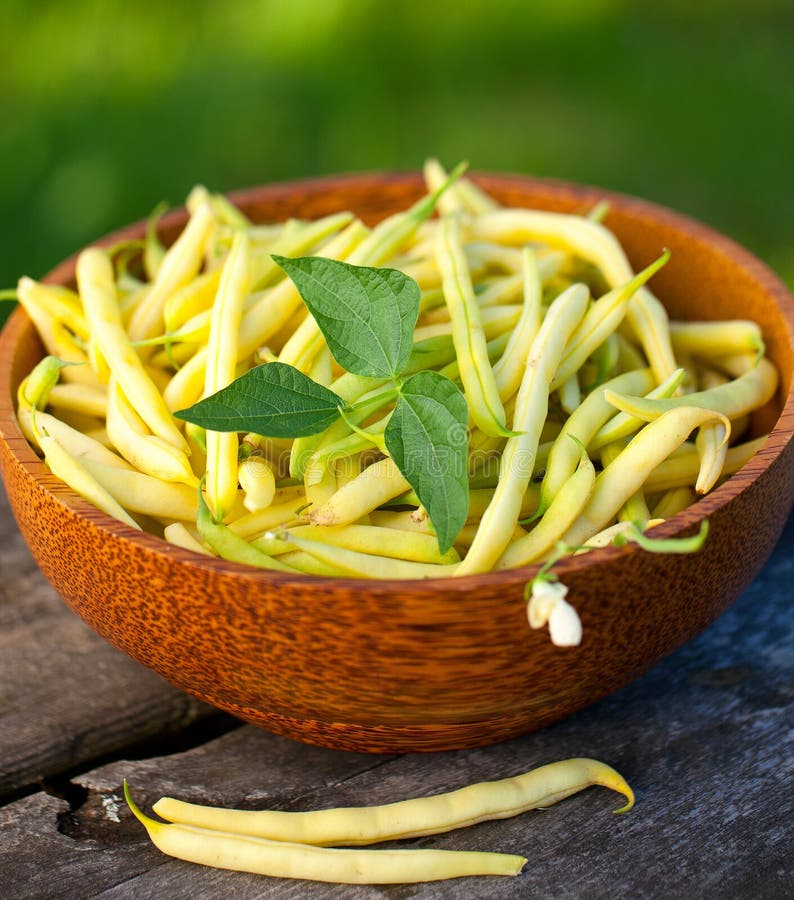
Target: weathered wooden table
<point>705,739</point>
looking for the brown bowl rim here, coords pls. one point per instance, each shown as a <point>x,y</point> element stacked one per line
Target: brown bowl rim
<point>685,521</point>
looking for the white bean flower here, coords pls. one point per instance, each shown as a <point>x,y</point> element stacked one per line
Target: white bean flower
<point>548,606</point>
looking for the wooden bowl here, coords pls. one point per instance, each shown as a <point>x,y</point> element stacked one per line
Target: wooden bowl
<point>406,666</point>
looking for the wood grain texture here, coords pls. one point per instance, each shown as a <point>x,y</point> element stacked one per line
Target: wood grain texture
<point>66,696</point>
<point>396,666</point>
<point>704,739</point>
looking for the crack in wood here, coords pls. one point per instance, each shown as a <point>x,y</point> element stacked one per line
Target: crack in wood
<point>74,794</point>
<point>195,734</point>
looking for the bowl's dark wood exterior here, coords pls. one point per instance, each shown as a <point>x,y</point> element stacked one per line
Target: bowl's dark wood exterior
<point>407,666</point>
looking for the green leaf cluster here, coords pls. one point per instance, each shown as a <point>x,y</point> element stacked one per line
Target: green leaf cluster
<point>367,316</point>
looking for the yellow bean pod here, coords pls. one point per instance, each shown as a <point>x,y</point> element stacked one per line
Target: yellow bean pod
<point>378,483</point>
<point>717,338</point>
<point>66,467</point>
<point>732,399</point>
<point>98,293</point>
<point>518,459</point>
<point>509,370</point>
<point>555,522</point>
<point>597,245</point>
<point>179,266</point>
<point>282,859</point>
<point>379,541</point>
<point>146,452</point>
<point>359,826</point>
<point>222,447</point>
<point>627,473</point>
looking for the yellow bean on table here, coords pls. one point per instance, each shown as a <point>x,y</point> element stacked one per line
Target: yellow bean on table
<point>304,844</point>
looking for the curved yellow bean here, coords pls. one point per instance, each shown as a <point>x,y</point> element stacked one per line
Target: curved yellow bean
<point>635,509</point>
<point>304,345</point>
<point>733,399</point>
<point>683,470</point>
<point>435,176</point>
<point>378,483</point>
<point>379,541</point>
<point>98,293</point>
<point>518,459</point>
<point>153,249</point>
<point>320,485</point>
<point>57,339</point>
<point>222,447</point>
<point>366,565</point>
<point>494,321</point>
<point>626,474</point>
<point>359,826</point>
<point>258,482</point>
<point>555,522</point>
<point>294,242</point>
<point>277,515</point>
<point>282,859</point>
<point>178,534</point>
<point>228,545</point>
<point>64,466</point>
<point>607,536</point>
<point>597,245</point>
<point>141,493</point>
<point>190,300</point>
<point>601,320</point>
<point>76,443</point>
<point>77,397</point>
<point>42,301</point>
<point>147,452</point>
<point>583,424</point>
<point>187,384</point>
<point>180,265</point>
<point>616,427</point>
<point>717,338</point>
<point>570,394</point>
<point>509,370</point>
<point>479,384</point>
<point>472,197</point>
<point>672,502</point>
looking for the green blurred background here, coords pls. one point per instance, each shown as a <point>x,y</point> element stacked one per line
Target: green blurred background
<point>110,106</point>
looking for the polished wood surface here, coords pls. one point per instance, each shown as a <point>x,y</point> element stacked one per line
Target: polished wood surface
<point>406,666</point>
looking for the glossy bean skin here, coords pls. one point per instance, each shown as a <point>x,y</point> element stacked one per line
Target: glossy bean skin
<point>732,399</point>
<point>222,447</point>
<point>594,243</point>
<point>629,470</point>
<point>279,859</point>
<point>359,826</point>
<point>377,484</point>
<point>97,289</point>
<point>517,462</point>
<point>179,266</point>
<point>556,520</point>
<point>583,424</point>
<point>482,393</point>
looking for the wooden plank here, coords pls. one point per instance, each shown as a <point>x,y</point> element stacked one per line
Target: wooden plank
<point>66,696</point>
<point>704,739</point>
<point>46,851</point>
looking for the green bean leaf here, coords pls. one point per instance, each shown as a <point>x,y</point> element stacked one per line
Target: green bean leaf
<point>273,399</point>
<point>367,315</point>
<point>428,441</point>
